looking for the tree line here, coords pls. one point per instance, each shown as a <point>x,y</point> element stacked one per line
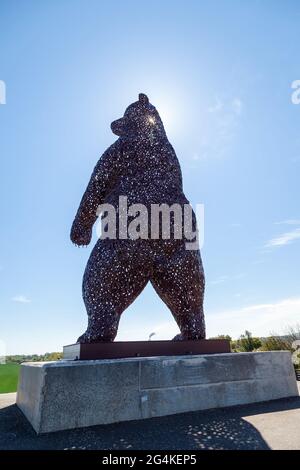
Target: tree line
<point>19,358</point>
<point>248,343</point>
<point>245,343</point>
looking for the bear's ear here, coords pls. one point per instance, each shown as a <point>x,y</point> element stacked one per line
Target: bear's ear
<point>143,99</point>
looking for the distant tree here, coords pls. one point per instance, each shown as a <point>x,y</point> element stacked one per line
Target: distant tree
<point>54,356</point>
<point>222,337</point>
<point>281,343</point>
<point>18,359</point>
<point>276,343</point>
<point>248,343</point>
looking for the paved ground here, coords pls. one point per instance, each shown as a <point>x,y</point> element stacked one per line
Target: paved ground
<point>271,425</point>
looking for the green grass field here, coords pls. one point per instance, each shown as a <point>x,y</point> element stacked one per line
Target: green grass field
<point>9,377</point>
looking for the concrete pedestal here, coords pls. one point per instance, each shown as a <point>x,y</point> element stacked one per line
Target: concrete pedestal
<point>70,394</point>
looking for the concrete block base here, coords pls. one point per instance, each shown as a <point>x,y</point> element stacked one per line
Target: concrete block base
<point>71,394</point>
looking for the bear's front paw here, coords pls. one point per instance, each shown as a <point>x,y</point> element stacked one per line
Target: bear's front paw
<point>80,236</point>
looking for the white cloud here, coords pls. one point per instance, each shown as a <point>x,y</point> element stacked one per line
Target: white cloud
<point>222,279</point>
<point>163,331</point>
<point>166,329</point>
<point>237,106</point>
<point>289,222</point>
<point>260,319</point>
<point>220,128</point>
<point>284,239</point>
<point>217,106</point>
<point>22,299</point>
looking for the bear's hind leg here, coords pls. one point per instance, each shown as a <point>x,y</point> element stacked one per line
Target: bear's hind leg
<point>113,278</point>
<point>179,281</point>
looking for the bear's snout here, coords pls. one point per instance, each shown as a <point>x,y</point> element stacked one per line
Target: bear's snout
<point>118,127</point>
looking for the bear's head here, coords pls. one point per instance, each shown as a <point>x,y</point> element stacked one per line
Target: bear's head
<point>140,120</point>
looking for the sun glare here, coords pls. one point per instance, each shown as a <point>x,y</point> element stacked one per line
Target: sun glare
<point>171,111</point>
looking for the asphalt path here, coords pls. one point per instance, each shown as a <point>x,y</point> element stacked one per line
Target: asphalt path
<point>268,425</point>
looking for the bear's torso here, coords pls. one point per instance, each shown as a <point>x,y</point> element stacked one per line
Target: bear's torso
<point>146,173</point>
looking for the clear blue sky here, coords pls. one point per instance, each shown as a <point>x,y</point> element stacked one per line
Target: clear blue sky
<point>220,73</point>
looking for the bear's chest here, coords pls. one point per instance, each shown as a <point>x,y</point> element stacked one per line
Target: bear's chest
<point>141,162</point>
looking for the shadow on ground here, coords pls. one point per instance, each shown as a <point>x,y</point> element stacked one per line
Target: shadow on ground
<point>211,429</point>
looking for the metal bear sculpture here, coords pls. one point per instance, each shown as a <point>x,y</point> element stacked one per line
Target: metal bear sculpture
<point>141,165</point>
